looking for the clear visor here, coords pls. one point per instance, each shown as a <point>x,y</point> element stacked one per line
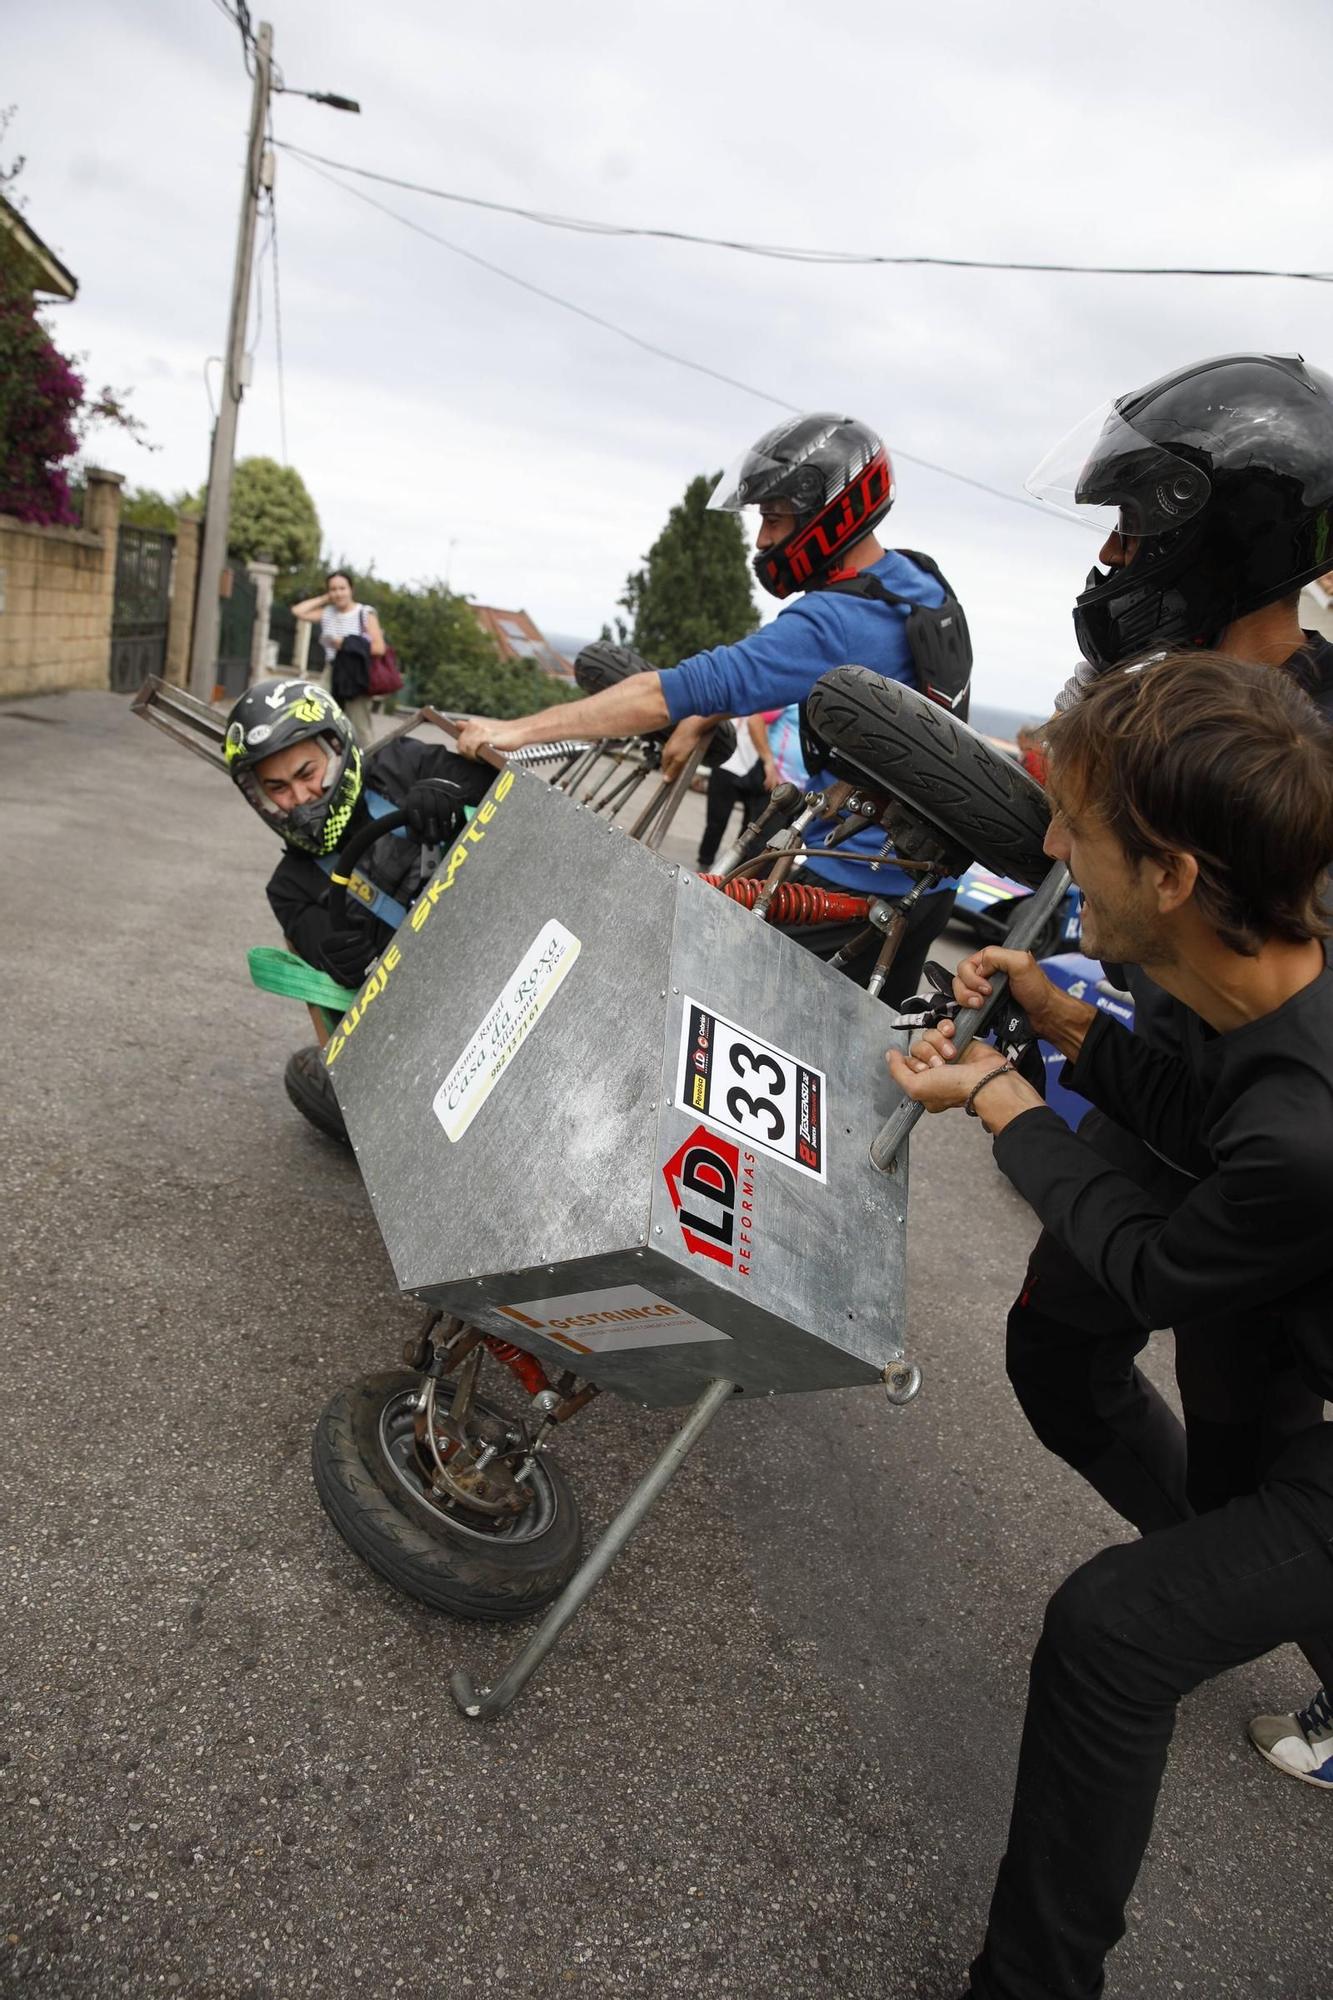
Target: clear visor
<point>752,477</point>
<point>1114,475</point>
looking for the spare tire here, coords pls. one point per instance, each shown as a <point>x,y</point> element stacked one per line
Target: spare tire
<point>603,665</point>
<point>890,736</point>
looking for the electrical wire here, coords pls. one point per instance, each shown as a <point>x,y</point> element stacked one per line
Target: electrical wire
<point>787,254</point>
<point>238,13</point>
<point>653,348</point>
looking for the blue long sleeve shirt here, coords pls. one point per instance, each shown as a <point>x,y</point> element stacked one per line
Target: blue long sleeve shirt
<point>780,664</point>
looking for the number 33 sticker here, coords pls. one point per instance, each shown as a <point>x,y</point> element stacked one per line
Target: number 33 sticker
<point>738,1083</point>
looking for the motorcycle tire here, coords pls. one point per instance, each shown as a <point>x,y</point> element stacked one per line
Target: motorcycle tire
<point>899,741</point>
<point>306,1082</point>
<point>382,1507</point>
<point>604,664</point>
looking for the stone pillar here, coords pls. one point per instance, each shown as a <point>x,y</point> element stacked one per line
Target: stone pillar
<point>101,517</point>
<point>180,618</point>
<point>261,575</point>
<point>301,649</point>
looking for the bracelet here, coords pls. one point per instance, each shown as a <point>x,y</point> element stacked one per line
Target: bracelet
<point>1001,1069</point>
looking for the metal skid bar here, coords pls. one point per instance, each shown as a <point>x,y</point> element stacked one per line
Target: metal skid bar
<point>1027,927</point>
<point>483,1705</point>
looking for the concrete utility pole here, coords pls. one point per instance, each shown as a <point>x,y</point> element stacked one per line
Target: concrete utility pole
<point>217,514</point>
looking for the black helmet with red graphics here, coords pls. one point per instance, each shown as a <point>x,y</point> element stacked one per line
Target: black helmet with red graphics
<point>834,474</point>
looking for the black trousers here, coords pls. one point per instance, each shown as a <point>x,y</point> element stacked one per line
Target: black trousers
<point>1125,1637</point>
<point>725,792</point>
<point>1236,1509</point>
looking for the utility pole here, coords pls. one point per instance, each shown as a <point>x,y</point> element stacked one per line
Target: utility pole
<point>217,514</point>
<point>235,371</point>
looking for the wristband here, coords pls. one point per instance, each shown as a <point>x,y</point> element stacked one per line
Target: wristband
<point>1001,1069</point>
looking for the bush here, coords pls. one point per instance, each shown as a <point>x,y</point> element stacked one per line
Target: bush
<point>41,400</point>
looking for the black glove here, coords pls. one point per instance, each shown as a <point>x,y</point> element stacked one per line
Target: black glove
<point>434,810</point>
<point>347,955</point>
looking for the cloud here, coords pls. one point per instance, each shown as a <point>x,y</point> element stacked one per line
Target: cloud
<point>430,402</point>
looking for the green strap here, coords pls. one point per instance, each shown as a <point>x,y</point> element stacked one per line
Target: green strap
<point>283,972</point>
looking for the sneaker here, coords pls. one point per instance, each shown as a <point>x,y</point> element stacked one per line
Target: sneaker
<point>307,1085</point>
<point>1301,1744</point>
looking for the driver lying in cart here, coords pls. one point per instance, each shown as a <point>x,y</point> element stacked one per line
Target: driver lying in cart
<point>1193,804</point>
<point>293,754</point>
<point>821,484</point>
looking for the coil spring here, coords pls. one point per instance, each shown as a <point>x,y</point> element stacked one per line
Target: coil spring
<point>794,902</point>
<point>526,1367</point>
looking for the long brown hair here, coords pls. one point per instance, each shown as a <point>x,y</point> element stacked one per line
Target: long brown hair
<point>1214,757</point>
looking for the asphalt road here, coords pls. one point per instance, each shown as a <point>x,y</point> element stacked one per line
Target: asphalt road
<point>775,1753</point>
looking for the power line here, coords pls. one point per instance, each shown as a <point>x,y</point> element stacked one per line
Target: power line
<point>652,347</point>
<point>239,16</point>
<point>787,254</point>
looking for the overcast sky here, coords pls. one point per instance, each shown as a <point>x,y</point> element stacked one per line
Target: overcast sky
<point>449,423</point>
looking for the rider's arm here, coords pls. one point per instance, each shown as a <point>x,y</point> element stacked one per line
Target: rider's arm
<point>781,662</point>
<point>633,707</point>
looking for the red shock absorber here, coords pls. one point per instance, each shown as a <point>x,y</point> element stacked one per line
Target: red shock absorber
<point>794,902</point>
<point>526,1367</point>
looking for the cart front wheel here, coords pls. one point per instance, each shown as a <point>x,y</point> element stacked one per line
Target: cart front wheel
<point>378,1493</point>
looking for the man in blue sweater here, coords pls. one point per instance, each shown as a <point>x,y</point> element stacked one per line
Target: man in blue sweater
<point>821,484</point>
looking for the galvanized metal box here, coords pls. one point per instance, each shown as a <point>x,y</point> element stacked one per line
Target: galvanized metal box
<point>601,1109</point>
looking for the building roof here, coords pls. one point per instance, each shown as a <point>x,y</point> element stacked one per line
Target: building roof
<point>23,250</point>
<point>518,637</point>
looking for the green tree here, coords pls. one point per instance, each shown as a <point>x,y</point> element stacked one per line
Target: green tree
<point>273,518</point>
<point>144,507</point>
<point>694,589</point>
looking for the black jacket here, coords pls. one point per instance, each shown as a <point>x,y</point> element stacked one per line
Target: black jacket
<point>1250,1114</point>
<point>298,889</point>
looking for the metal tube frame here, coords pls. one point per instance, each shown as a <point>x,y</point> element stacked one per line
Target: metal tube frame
<point>1026,928</point>
<point>482,1705</point>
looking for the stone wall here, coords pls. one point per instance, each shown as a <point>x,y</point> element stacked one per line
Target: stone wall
<point>57,589</point>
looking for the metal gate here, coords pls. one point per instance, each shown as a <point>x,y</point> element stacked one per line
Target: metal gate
<point>236,626</point>
<point>142,603</point>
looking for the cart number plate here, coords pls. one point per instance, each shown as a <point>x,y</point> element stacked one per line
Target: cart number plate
<point>738,1083</point>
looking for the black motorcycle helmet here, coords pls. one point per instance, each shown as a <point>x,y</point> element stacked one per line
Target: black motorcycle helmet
<point>271,716</point>
<point>836,475</point>
<point>1223,474</point>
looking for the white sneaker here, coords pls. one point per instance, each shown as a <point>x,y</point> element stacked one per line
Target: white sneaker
<point>1300,1744</point>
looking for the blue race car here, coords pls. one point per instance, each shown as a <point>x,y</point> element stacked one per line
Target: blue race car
<point>1084,979</point>
<point>986,904</point>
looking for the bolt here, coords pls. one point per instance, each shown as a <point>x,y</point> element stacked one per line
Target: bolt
<point>902,1381</point>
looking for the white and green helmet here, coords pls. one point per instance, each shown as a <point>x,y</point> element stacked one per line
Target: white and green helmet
<point>271,716</point>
